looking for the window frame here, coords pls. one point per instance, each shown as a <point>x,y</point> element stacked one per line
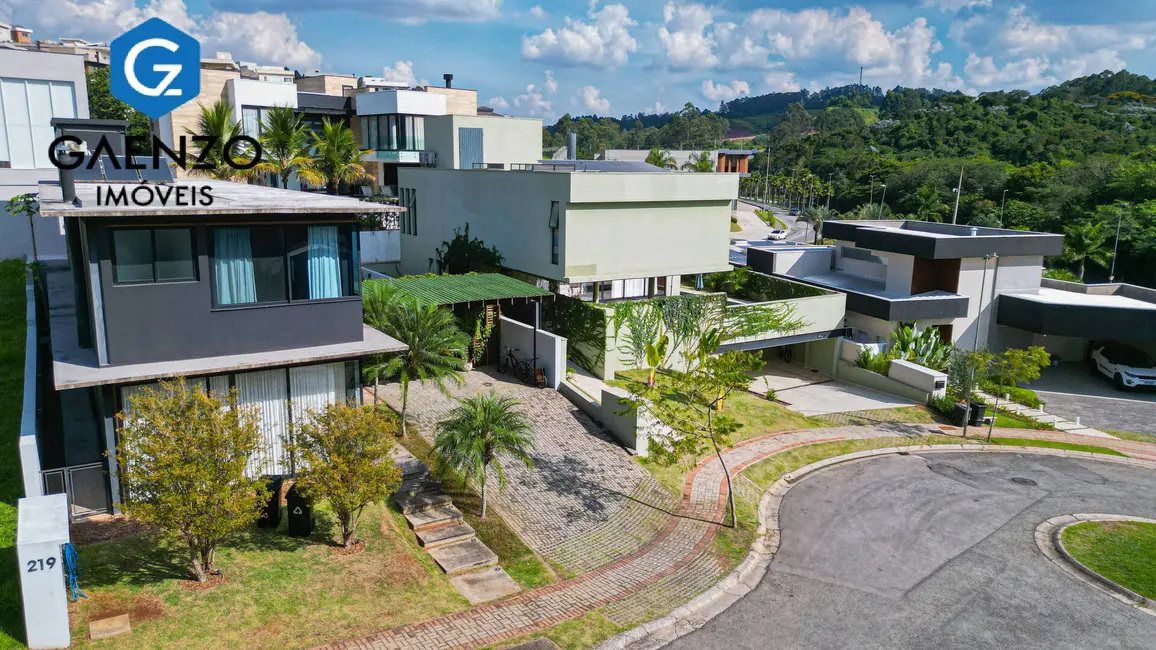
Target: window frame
<point>282,231</point>
<point>117,282</point>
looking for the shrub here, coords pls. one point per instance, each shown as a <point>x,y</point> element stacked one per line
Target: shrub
<point>1062,274</point>
<point>879,363</point>
<point>1019,395</point>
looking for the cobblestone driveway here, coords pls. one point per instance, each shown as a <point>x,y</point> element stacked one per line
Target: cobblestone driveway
<point>586,502</point>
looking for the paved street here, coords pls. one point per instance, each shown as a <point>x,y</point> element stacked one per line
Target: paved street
<point>755,229</point>
<point>936,550</point>
<point>1070,391</point>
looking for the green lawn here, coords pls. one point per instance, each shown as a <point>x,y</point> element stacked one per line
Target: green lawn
<point>1006,420</point>
<point>1132,435</point>
<point>523,565</point>
<point>1123,552</point>
<point>1024,442</point>
<point>12,335</point>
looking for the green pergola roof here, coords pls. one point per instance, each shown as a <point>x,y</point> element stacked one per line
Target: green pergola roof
<point>454,289</point>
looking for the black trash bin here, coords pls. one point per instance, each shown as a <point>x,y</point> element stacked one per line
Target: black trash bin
<point>978,411</point>
<point>271,513</point>
<point>300,513</point>
<point>959,416</point>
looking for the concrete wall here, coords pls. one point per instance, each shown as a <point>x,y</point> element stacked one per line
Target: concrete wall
<point>380,246</point>
<point>861,268</point>
<point>327,84</point>
<point>250,92</point>
<point>867,329</point>
<point>505,140</point>
<point>612,225</point>
<point>979,304</point>
<point>1019,274</point>
<point>459,101</point>
<point>630,428</point>
<point>899,271</point>
<point>404,102</point>
<point>551,348</point>
<point>15,232</point>
<point>29,449</point>
<point>800,262</point>
<point>818,314</point>
<point>918,377</point>
<point>856,375</point>
<point>1067,348</point>
<point>823,355</point>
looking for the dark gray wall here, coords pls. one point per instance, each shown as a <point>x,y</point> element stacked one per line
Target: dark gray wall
<point>167,321</point>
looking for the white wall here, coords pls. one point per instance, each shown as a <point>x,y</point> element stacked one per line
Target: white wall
<point>979,301</point>
<point>251,92</point>
<point>551,348</point>
<point>861,268</point>
<point>899,271</point>
<point>801,262</point>
<point>405,102</point>
<point>380,246</point>
<point>505,140</point>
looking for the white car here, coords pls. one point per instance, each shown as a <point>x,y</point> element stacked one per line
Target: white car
<point>778,235</point>
<point>1126,366</point>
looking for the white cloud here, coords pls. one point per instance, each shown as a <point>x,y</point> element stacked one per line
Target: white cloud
<point>1023,34</point>
<point>723,92</point>
<point>781,81</point>
<point>551,85</point>
<point>684,37</point>
<point>533,103</point>
<point>605,42</point>
<point>499,103</point>
<point>268,38</point>
<point>539,13</point>
<point>400,71</point>
<point>592,99</point>
<point>956,6</point>
<point>402,11</point>
<point>1090,63</point>
<point>1024,73</point>
<point>911,63</point>
<point>657,109</point>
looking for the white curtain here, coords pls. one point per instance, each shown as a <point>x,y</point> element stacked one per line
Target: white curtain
<point>315,387</point>
<point>219,387</point>
<point>267,391</point>
<point>635,288</point>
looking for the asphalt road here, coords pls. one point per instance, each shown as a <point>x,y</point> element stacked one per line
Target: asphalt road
<point>1071,391</point>
<point>754,228</point>
<point>936,551</point>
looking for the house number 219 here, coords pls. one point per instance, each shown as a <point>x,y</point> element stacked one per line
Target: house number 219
<point>41,564</point>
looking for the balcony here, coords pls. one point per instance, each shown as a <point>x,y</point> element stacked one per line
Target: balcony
<point>403,157</point>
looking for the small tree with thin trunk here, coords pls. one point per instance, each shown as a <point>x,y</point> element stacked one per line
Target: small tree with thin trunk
<point>183,455</point>
<point>1014,366</point>
<point>345,456</point>
<point>478,432</point>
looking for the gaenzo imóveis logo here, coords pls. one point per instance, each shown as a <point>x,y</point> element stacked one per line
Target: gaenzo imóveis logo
<point>156,68</point>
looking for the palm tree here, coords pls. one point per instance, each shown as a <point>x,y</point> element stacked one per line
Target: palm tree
<point>815,216</point>
<point>437,348</point>
<point>928,205</point>
<point>660,158</point>
<point>475,435</point>
<point>1085,241</point>
<point>216,123</point>
<point>700,162</point>
<point>285,143</point>
<point>337,158</point>
<point>872,211</point>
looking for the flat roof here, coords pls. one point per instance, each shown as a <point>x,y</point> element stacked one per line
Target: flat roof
<point>1061,297</point>
<point>858,284</point>
<point>455,289</point>
<point>933,240</point>
<point>228,198</point>
<point>77,367</point>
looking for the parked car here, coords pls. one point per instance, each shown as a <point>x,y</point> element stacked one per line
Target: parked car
<point>778,235</point>
<point>1126,366</point>
<point>794,211</point>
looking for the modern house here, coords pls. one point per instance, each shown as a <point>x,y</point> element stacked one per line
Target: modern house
<point>726,160</point>
<point>257,291</point>
<point>952,277</point>
<point>338,85</point>
<point>35,88</point>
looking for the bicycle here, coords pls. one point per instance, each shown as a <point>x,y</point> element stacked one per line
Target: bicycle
<point>522,369</point>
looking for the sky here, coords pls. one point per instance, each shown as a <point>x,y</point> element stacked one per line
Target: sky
<point>544,58</point>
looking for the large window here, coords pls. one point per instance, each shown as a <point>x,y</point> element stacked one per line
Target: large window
<point>27,107</point>
<point>272,264</point>
<point>393,132</point>
<point>148,255</point>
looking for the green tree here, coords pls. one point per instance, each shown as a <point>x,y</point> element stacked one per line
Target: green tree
<point>478,433</point>
<point>966,369</point>
<point>769,218</point>
<point>929,207</point>
<point>29,206</point>
<point>1015,366</point>
<point>336,158</point>
<point>182,456</point>
<point>436,347</point>
<point>285,143</point>
<point>462,255</point>
<point>216,122</point>
<point>815,216</point>
<point>660,158</point>
<point>103,106</point>
<point>699,162</point>
<point>345,453</point>
<point>1086,241</point>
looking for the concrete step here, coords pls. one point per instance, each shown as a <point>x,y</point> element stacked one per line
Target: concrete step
<point>483,586</point>
<point>421,501</point>
<point>433,518</point>
<point>466,556</point>
<point>410,466</point>
<point>444,535</point>
<point>419,484</point>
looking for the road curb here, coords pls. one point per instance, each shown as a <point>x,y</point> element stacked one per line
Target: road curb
<point>1049,538</point>
<point>748,574</point>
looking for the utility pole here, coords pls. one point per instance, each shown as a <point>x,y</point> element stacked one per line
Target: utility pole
<point>883,199</point>
<point>958,192</point>
<point>975,344</point>
<point>1002,201</point>
<point>1116,246</point>
<point>860,77</point>
<point>767,176</point>
<point>871,181</point>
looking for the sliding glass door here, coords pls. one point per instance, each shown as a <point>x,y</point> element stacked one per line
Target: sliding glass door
<point>272,264</point>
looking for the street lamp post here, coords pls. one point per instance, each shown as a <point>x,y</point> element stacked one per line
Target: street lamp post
<point>883,199</point>
<point>975,343</point>
<point>830,188</point>
<point>1002,201</point>
<point>1116,246</point>
<point>871,182</point>
<point>958,192</point>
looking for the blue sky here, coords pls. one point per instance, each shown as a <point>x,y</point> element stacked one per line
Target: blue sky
<point>548,57</point>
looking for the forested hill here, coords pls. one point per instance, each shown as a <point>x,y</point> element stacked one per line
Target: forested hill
<point>1071,158</point>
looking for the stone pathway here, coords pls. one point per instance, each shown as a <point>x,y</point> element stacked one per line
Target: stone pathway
<point>1039,415</point>
<point>586,503</point>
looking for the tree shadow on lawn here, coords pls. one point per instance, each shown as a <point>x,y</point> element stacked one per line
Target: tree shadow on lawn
<point>152,558</point>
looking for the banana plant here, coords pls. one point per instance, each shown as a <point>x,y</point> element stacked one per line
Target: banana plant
<point>655,355</point>
<point>922,346</point>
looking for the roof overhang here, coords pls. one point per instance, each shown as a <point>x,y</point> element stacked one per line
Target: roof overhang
<point>1030,313</point>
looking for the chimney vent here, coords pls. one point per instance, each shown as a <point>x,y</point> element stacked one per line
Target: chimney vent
<point>449,80</point>
<point>974,231</point>
<point>571,146</point>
